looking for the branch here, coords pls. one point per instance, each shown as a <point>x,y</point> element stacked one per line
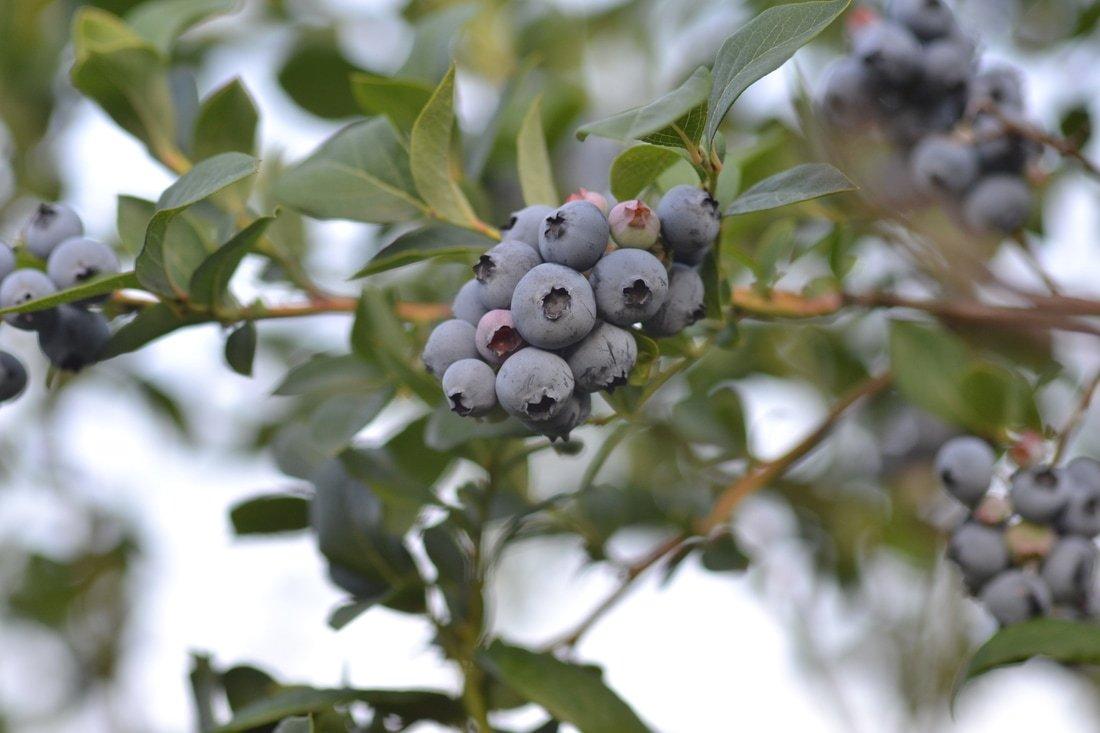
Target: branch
<point>1075,419</point>
<point>1061,145</point>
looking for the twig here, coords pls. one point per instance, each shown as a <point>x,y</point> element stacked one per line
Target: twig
<point>409,311</point>
<point>1035,265</point>
<point>1063,146</point>
<point>1076,418</point>
<point>762,474</point>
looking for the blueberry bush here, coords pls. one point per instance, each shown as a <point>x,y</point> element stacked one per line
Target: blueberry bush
<point>554,363</point>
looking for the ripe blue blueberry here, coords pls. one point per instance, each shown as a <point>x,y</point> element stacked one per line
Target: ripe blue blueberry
<point>980,552</point>
<point>24,286</point>
<point>470,387</point>
<point>944,166</point>
<point>846,100</point>
<point>630,285</point>
<point>535,385</point>
<point>51,225</point>
<point>604,358</point>
<point>965,466</point>
<point>1016,596</point>
<point>998,204</point>
<point>78,259</point>
<point>689,222</point>
<point>75,340</point>
<point>499,269</point>
<point>467,304</point>
<point>524,225</point>
<point>13,377</point>
<point>574,235</point>
<point>1040,494</point>
<point>1000,150</point>
<point>999,87</point>
<point>497,337</point>
<point>633,224</point>
<point>553,307</point>
<point>684,305</point>
<point>889,52</point>
<point>948,64</point>
<point>1084,470</point>
<point>927,19</point>
<point>1082,513</point>
<point>577,410</point>
<point>7,261</point>
<point>448,342</point>
<point>1070,569</point>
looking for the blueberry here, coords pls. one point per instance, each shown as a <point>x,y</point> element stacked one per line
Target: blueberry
<point>75,340</point>
<point>51,225</point>
<point>553,307</point>
<point>633,224</point>
<point>78,259</point>
<point>448,342</point>
<point>499,269</point>
<point>535,385</point>
<point>1040,494</point>
<point>470,386</point>
<point>889,52</point>
<point>980,552</point>
<point>1082,513</point>
<point>999,87</point>
<point>577,410</point>
<point>467,304</point>
<point>524,225</point>
<point>13,377</point>
<point>965,466</point>
<point>999,149</point>
<point>574,235</point>
<point>944,166</point>
<point>23,286</point>
<point>1016,596</point>
<point>596,199</point>
<point>927,19</point>
<point>630,285</point>
<point>998,204</point>
<point>604,358</point>
<point>847,101</point>
<point>497,337</point>
<point>948,64</point>
<point>684,305</point>
<point>1069,570</point>
<point>689,222</point>
<point>7,261</point>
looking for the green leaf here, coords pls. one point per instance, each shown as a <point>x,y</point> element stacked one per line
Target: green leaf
<point>295,725</point>
<point>684,107</point>
<point>536,176</point>
<point>316,75</point>
<point>398,99</point>
<point>927,364</point>
<point>648,354</point>
<point>149,325</point>
<point>240,348</point>
<point>716,418</point>
<point>210,283</point>
<point>89,289</point>
<point>125,75</point>
<point>430,156</point>
<point>337,419</point>
<point>409,705</point>
<point>163,21</point>
<point>760,47</point>
<point>1067,642</point>
<point>323,375</point>
<point>226,122</point>
<point>361,173</point>
<point>158,266</point>
<point>801,183</point>
<point>637,167</point>
<point>715,287</point>
<point>270,514</point>
<point>721,554</point>
<point>431,242</point>
<point>570,693</point>
<point>447,431</point>
<point>133,215</point>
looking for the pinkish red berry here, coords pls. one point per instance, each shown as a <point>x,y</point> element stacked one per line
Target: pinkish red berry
<point>592,197</point>
<point>497,337</point>
<point>633,224</point>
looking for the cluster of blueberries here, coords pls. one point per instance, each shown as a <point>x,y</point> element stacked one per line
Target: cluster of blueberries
<point>913,76</point>
<point>1030,550</point>
<point>71,336</point>
<point>548,318</point>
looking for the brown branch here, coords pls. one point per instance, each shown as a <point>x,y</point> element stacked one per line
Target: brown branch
<point>1075,418</point>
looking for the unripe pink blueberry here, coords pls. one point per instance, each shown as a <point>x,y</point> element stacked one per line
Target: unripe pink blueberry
<point>592,197</point>
<point>633,224</point>
<point>497,337</point>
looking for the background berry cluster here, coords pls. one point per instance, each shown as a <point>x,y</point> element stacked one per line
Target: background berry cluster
<point>915,79</point>
<point>71,336</point>
<point>552,307</point>
<point>1027,547</point>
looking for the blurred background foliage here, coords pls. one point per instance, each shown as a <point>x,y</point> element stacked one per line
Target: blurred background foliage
<point>864,505</point>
